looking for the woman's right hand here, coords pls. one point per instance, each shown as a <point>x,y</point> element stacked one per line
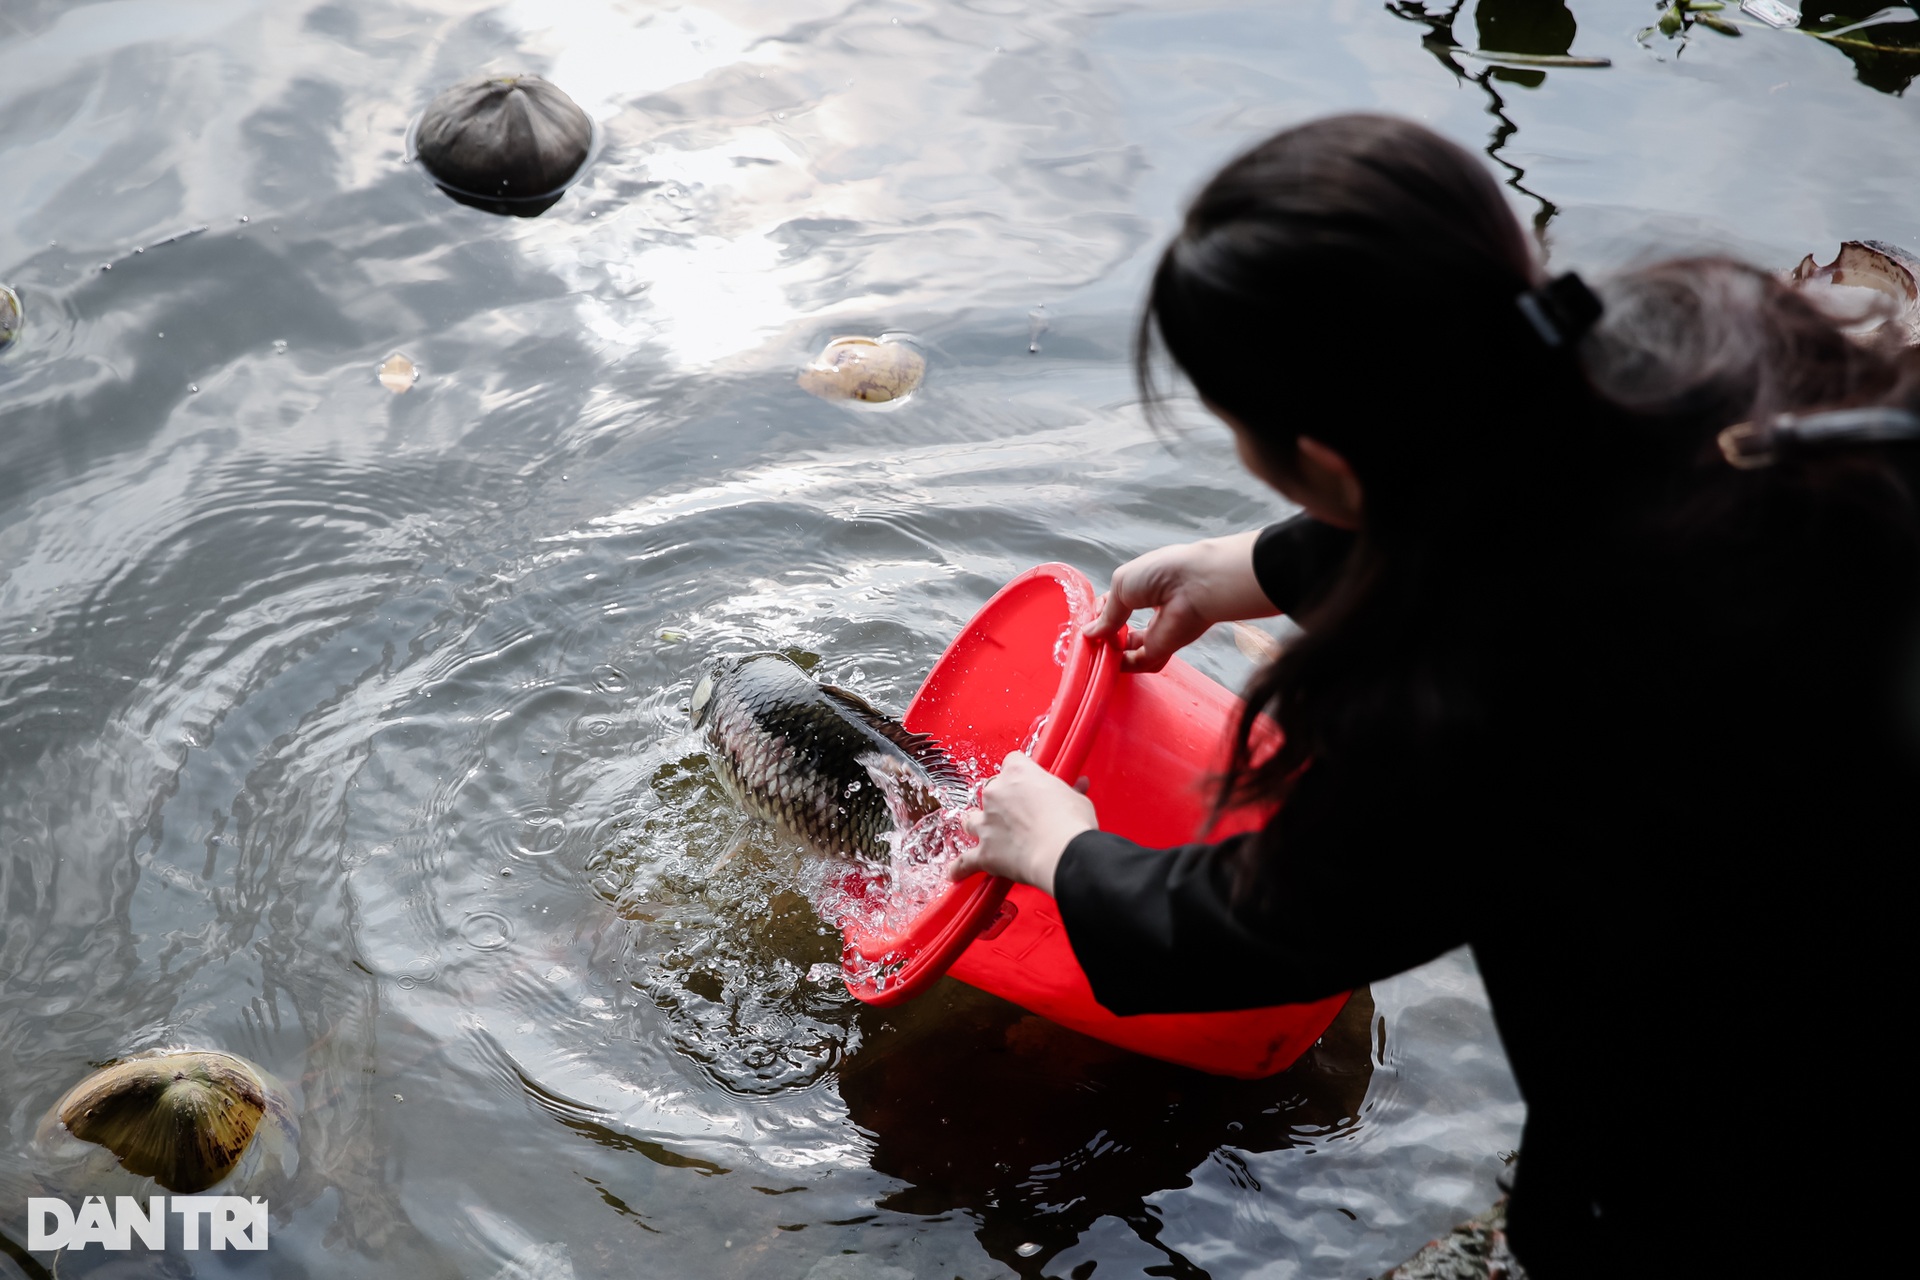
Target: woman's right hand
<point>1189,587</point>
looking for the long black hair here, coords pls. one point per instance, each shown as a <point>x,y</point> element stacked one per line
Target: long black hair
<point>1356,280</point>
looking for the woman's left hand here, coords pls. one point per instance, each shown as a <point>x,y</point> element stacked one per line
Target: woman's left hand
<point>1025,819</point>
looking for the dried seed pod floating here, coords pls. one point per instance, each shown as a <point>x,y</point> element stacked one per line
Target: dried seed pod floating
<point>1873,264</point>
<point>507,144</point>
<point>9,316</point>
<point>869,370</point>
<point>398,374</point>
<point>184,1118</point>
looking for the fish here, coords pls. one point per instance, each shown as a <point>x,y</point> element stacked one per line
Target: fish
<point>823,765</point>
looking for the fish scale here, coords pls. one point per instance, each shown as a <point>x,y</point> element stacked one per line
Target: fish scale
<point>816,761</point>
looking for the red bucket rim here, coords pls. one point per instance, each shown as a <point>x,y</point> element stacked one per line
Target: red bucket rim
<point>891,968</point>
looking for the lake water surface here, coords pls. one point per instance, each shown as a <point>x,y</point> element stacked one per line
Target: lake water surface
<point>345,730</point>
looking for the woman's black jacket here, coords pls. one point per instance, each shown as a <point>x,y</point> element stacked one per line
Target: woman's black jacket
<point>1669,812</point>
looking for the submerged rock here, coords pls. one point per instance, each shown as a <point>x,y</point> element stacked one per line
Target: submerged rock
<point>507,141</point>
<point>1474,1250</point>
<point>9,316</point>
<point>869,370</point>
<point>185,1118</point>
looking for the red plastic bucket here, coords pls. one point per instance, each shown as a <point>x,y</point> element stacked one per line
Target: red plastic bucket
<point>1020,676</point>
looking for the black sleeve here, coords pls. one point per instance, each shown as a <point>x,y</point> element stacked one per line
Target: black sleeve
<point>1342,903</point>
<point>1296,560</point>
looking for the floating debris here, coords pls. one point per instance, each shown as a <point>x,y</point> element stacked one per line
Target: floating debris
<point>508,144</point>
<point>10,316</point>
<point>882,370</point>
<point>1536,59</point>
<point>1886,269</point>
<point>183,1117</point>
<point>1681,16</point>
<point>1772,12</point>
<point>398,374</point>
<point>1254,643</point>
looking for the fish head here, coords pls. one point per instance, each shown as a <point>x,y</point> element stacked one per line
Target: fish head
<point>722,672</point>
<point>701,700</point>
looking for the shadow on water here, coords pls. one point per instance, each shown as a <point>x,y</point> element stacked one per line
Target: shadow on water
<point>1885,54</point>
<point>1038,1131</point>
<point>1540,28</point>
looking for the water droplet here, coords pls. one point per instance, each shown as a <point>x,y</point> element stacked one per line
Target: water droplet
<point>486,930</point>
<point>243,217</point>
<point>1028,1249</point>
<point>193,386</point>
<point>279,346</point>
<point>539,835</point>
<point>611,679</point>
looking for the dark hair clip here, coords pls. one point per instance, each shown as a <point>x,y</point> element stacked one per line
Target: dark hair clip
<point>1751,445</point>
<point>1561,310</point>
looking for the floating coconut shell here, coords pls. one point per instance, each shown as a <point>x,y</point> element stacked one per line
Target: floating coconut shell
<point>181,1117</point>
<point>9,316</point>
<point>506,140</point>
<point>869,370</point>
<point>398,374</point>
<point>1873,264</point>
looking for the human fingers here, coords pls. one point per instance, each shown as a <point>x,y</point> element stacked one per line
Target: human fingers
<point>1113,612</point>
<point>1173,628</point>
<point>1135,585</point>
<point>964,865</point>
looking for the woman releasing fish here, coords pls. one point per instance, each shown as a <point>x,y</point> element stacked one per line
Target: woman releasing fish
<point>823,765</point>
